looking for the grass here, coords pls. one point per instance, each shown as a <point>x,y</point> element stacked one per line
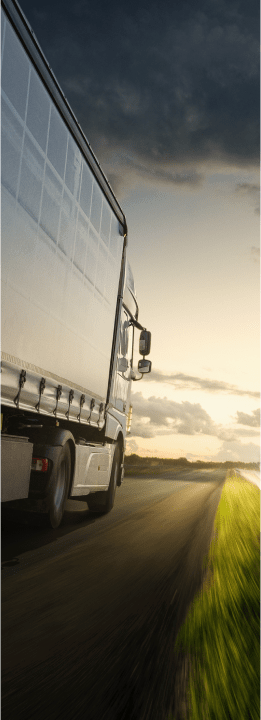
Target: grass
<point>221,634</point>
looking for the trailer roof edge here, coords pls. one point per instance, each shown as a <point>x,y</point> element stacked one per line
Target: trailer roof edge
<point>28,38</point>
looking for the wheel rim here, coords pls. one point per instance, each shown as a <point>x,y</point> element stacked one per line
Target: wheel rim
<point>60,487</point>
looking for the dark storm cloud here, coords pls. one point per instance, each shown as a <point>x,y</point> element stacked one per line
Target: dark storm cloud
<point>164,83</point>
<point>251,420</point>
<point>191,382</point>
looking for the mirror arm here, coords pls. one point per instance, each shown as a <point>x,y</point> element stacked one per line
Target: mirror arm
<point>135,379</point>
<point>133,321</point>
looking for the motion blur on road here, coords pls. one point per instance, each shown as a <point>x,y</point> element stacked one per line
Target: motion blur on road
<point>90,611</point>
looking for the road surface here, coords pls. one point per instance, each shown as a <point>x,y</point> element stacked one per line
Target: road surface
<point>91,610</point>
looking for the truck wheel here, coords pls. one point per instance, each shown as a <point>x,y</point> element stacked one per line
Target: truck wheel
<point>59,487</point>
<point>102,502</point>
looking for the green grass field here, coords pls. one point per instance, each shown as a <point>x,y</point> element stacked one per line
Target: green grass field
<point>221,634</point>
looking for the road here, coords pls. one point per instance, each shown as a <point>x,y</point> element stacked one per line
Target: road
<point>91,610</point>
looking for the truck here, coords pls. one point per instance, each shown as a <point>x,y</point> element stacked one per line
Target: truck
<point>69,305</point>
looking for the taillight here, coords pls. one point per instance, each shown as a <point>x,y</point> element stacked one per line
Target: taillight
<point>40,464</point>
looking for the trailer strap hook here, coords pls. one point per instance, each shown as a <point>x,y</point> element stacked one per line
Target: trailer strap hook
<point>58,395</point>
<point>82,401</point>
<point>101,408</point>
<point>22,380</point>
<point>71,396</point>
<point>41,389</point>
<point>92,404</point>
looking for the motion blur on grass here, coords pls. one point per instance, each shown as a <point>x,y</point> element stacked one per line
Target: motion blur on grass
<point>221,634</point>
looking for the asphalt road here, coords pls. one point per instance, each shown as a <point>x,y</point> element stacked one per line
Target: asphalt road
<point>91,610</point>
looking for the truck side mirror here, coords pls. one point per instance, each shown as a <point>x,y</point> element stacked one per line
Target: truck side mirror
<point>144,345</point>
<point>144,366</point>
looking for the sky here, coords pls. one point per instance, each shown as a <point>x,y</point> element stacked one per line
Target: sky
<point>167,94</point>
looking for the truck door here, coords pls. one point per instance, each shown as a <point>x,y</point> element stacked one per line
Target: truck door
<point>124,362</point>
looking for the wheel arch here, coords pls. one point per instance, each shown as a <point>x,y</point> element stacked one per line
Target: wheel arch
<point>120,443</point>
<point>72,450</point>
<point>53,438</point>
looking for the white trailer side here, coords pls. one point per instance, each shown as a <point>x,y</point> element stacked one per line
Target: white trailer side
<point>68,300</point>
<point>62,248</point>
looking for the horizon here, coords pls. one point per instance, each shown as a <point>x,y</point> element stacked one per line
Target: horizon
<point>192,462</point>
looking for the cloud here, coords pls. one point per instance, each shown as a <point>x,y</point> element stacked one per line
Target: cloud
<point>123,170</point>
<point>191,382</point>
<point>251,420</point>
<point>246,432</point>
<point>251,192</point>
<point>255,251</point>
<point>159,416</point>
<point>132,445</point>
<point>248,189</point>
<point>161,174</point>
<point>238,452</point>
<point>165,83</point>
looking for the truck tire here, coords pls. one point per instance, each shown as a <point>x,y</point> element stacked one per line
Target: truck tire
<point>59,488</point>
<point>102,502</point>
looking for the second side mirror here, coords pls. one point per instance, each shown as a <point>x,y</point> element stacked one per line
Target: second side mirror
<point>145,342</point>
<point>144,366</point>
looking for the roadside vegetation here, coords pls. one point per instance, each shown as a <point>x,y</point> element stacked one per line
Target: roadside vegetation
<point>221,634</point>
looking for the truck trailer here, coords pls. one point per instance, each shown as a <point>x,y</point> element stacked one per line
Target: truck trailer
<point>69,306</point>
